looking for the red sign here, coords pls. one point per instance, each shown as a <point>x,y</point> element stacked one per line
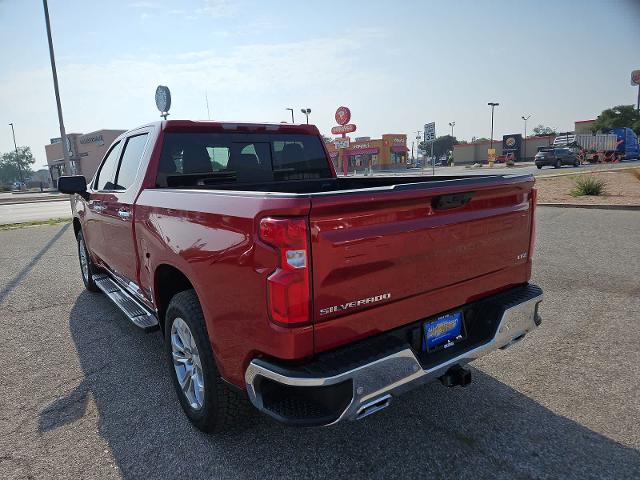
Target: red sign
<point>635,80</point>
<point>343,115</point>
<point>341,129</point>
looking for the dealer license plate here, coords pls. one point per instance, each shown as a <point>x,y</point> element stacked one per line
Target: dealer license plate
<point>443,330</point>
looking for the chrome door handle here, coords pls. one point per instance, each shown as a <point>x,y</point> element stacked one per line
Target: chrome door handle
<point>124,214</point>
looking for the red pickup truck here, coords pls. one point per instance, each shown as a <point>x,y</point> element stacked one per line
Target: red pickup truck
<point>320,298</point>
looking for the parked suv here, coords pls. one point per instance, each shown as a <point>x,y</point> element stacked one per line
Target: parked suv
<point>556,157</point>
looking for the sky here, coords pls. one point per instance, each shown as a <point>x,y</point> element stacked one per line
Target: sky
<point>396,65</point>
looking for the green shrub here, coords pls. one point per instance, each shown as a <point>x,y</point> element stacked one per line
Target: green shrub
<point>588,186</point>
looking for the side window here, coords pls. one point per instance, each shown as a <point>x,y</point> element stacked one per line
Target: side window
<point>219,156</point>
<point>107,172</point>
<point>130,162</point>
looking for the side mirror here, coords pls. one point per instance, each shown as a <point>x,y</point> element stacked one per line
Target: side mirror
<point>73,184</point>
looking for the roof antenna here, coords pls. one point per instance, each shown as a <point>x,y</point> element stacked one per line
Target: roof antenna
<point>206,98</point>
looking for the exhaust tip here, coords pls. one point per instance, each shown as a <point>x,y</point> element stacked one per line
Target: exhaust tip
<point>373,406</point>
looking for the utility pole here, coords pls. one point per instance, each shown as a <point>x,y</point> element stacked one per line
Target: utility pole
<point>525,135</point>
<point>17,154</point>
<point>206,99</point>
<point>492,105</point>
<point>63,135</point>
<point>452,124</point>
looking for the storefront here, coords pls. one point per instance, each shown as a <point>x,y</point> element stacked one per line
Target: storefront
<point>388,152</point>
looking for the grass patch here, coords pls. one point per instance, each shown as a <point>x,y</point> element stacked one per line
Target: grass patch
<point>588,186</point>
<point>51,221</point>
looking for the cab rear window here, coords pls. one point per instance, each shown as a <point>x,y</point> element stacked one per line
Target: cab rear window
<point>209,159</point>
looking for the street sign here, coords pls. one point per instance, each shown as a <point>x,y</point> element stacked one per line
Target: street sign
<point>430,132</point>
<point>340,129</point>
<point>341,142</point>
<point>635,77</point>
<point>343,115</point>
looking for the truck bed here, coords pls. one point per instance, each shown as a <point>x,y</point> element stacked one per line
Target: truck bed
<point>427,244</point>
<point>352,184</point>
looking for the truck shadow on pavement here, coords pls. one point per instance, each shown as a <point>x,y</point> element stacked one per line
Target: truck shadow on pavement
<point>487,430</point>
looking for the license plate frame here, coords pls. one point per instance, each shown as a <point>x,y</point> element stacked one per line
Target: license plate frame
<point>443,331</point>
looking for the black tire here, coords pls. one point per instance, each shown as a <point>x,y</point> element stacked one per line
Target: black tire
<point>558,164</point>
<point>221,407</point>
<point>576,163</point>
<point>539,167</point>
<point>87,276</point>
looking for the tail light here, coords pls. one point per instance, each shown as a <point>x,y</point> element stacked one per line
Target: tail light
<point>288,286</point>
<point>534,200</point>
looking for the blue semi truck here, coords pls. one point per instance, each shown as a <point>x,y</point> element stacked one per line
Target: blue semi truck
<point>627,145</point>
<point>609,145</point>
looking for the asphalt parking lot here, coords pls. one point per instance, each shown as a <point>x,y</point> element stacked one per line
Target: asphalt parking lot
<point>85,395</point>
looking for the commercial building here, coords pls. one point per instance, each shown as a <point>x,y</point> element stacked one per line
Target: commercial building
<point>388,152</point>
<point>469,153</point>
<point>85,152</point>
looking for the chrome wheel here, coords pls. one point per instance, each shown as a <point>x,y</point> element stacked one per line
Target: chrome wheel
<point>186,363</point>
<point>84,261</point>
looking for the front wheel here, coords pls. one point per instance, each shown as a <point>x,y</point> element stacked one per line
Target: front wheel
<point>86,265</point>
<point>539,167</point>
<point>206,399</point>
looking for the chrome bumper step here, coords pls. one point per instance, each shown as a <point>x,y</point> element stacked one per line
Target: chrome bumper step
<point>369,386</point>
<point>138,314</point>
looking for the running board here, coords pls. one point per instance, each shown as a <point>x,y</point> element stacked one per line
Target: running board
<point>139,315</point>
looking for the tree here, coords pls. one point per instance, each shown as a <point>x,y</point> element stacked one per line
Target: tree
<point>11,165</point>
<point>441,146</point>
<point>542,131</point>
<point>619,116</point>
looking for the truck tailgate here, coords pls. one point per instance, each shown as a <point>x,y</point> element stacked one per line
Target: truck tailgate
<point>387,257</point>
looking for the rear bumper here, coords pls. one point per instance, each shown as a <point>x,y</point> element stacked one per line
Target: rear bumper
<point>356,382</point>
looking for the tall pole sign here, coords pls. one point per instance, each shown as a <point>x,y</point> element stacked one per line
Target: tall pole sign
<point>163,100</point>
<point>52,57</point>
<point>343,116</point>
<point>635,80</point>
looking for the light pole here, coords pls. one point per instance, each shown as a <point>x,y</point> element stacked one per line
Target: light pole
<point>306,111</point>
<point>292,120</point>
<point>492,105</point>
<point>452,124</point>
<point>63,135</point>
<point>525,135</point>
<point>17,155</point>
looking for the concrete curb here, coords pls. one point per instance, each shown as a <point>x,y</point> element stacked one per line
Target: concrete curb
<point>33,200</point>
<point>583,172</point>
<point>592,206</point>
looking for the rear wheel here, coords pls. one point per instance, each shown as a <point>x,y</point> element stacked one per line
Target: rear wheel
<point>206,399</point>
<point>86,265</point>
